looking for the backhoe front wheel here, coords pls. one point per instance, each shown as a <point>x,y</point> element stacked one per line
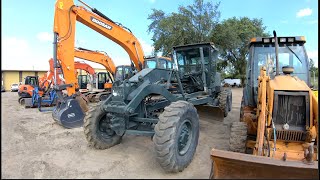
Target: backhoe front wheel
<point>224,102</point>
<point>97,129</point>
<point>176,136</point>
<point>238,137</point>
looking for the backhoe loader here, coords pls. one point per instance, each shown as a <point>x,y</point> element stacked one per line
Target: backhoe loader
<point>66,15</point>
<point>277,136</point>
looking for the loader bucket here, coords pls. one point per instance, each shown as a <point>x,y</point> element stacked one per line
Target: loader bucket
<point>231,165</point>
<point>69,114</point>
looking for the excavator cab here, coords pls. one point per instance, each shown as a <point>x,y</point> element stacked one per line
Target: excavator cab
<point>123,72</point>
<point>31,80</point>
<point>82,81</point>
<point>26,88</point>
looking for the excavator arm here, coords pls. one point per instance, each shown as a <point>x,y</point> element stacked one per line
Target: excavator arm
<point>66,15</point>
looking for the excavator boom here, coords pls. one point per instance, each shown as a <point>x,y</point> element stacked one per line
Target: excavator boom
<point>66,15</point>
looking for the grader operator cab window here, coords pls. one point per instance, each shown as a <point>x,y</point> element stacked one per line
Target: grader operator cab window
<point>189,60</point>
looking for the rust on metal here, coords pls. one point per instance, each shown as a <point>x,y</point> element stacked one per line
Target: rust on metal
<point>231,165</point>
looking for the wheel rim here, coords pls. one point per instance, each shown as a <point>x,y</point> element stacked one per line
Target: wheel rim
<point>185,136</point>
<point>104,128</point>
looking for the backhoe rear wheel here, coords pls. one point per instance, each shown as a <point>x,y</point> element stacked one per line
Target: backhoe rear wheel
<point>238,137</point>
<point>176,136</point>
<point>97,129</point>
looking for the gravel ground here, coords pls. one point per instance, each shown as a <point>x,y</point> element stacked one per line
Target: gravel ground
<point>34,146</point>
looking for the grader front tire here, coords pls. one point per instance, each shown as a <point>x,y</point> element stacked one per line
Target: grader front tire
<point>96,129</point>
<point>176,136</point>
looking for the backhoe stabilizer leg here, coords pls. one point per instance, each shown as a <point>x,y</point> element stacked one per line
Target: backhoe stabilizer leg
<point>69,114</point>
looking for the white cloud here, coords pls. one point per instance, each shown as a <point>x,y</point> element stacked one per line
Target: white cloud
<point>152,1</point>
<point>147,48</point>
<point>18,54</point>
<point>313,22</point>
<point>284,21</point>
<point>304,12</point>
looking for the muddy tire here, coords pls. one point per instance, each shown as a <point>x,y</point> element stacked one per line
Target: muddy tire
<point>229,100</point>
<point>238,137</point>
<point>176,136</point>
<point>97,130</point>
<point>223,102</point>
<point>241,108</point>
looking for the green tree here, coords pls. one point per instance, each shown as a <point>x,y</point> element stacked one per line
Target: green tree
<point>192,24</point>
<point>232,37</point>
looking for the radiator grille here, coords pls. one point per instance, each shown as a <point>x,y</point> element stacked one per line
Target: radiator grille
<point>287,135</point>
<point>291,110</point>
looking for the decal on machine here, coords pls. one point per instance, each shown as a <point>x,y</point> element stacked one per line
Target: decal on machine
<point>101,23</point>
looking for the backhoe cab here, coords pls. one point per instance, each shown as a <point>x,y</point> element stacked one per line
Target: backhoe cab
<point>159,102</point>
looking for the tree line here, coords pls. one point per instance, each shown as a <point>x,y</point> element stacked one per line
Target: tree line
<point>200,22</point>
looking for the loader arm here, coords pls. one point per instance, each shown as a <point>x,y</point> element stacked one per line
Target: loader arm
<point>66,15</point>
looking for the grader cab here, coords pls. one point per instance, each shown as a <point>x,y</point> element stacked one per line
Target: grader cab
<point>278,116</point>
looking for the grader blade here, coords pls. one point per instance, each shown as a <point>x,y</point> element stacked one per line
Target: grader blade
<point>231,165</point>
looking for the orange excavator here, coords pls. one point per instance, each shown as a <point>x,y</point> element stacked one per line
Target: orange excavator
<point>66,15</point>
<point>44,83</point>
<point>102,80</point>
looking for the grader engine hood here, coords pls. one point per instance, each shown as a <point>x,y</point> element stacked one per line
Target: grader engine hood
<point>127,95</point>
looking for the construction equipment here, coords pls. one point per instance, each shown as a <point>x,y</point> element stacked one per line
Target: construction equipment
<point>66,15</point>
<point>278,116</point>
<point>43,86</point>
<point>160,102</point>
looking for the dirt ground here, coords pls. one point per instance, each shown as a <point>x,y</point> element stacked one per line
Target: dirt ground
<point>34,146</point>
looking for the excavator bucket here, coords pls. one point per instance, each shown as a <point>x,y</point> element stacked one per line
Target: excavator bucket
<point>70,113</point>
<point>231,165</point>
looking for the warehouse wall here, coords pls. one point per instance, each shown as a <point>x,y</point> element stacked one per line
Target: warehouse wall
<point>10,77</point>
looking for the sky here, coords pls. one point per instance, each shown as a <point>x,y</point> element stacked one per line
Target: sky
<point>27,26</point>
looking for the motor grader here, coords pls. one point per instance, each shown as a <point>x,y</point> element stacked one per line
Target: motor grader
<point>160,102</point>
<point>277,136</point>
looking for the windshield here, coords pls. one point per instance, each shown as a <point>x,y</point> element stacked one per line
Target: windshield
<point>189,61</point>
<point>124,72</point>
<point>265,56</point>
<point>151,64</point>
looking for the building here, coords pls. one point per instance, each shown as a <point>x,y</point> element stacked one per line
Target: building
<point>9,77</point>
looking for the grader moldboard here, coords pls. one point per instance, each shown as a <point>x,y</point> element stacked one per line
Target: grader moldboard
<point>278,116</point>
<point>160,103</point>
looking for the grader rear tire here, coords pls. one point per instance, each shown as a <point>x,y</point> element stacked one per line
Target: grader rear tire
<point>176,136</point>
<point>238,137</point>
<point>96,129</point>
